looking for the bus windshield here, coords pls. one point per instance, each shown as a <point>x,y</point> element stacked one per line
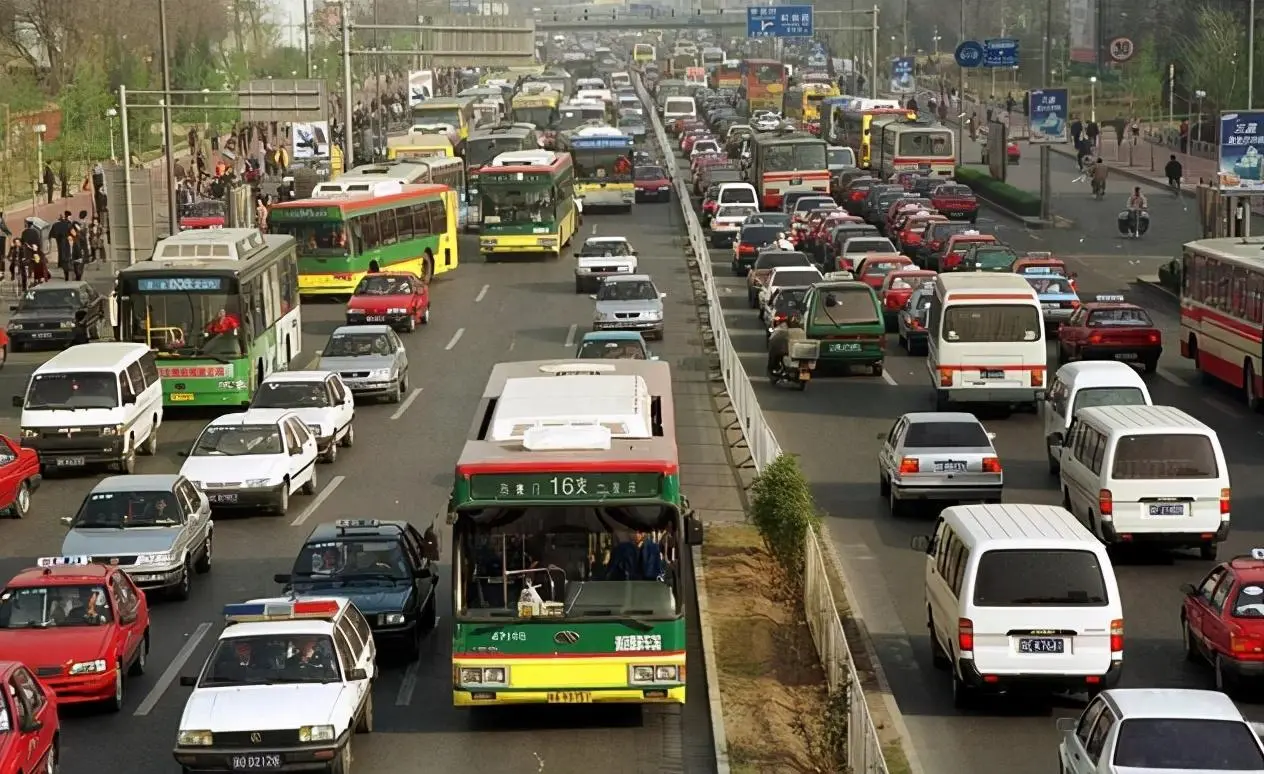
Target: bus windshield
<point>936,144</point>
<point>481,150</point>
<point>570,118</point>
<point>327,239</point>
<point>183,323</point>
<point>768,73</point>
<point>517,205</point>
<point>791,158</point>
<point>538,116</point>
<point>602,164</point>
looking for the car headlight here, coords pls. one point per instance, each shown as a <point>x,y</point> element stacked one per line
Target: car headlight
<point>29,433</point>
<point>380,373</point>
<point>391,619</point>
<point>15,326</point>
<point>193,738</point>
<point>323,733</point>
<point>88,667</point>
<point>397,310</point>
<point>111,430</point>
<point>155,558</point>
<point>256,482</point>
<point>653,315</point>
<point>317,430</point>
<point>66,324</point>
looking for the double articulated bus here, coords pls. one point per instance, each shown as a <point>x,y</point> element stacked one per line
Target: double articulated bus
<point>643,54</point>
<point>219,308</point>
<point>1222,312</point>
<point>452,115</point>
<point>343,236</point>
<point>570,539</point>
<point>857,125</point>
<point>765,82</point>
<point>898,144</point>
<point>785,162</point>
<point>526,203</point>
<point>602,157</point>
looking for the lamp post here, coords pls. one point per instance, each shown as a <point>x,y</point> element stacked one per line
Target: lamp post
<point>1250,57</point>
<point>1199,95</point>
<point>307,37</point>
<point>936,40</point>
<point>206,111</point>
<point>110,115</point>
<point>39,130</point>
<point>173,219</point>
<point>347,144</point>
<point>1092,98</point>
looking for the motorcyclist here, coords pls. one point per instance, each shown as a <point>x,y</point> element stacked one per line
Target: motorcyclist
<point>779,342</point>
<point>1136,205</point>
<point>1098,172</point>
<point>783,243</point>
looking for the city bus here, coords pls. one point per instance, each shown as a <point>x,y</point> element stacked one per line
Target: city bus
<point>897,143</point>
<point>602,158</point>
<point>536,107</point>
<point>454,113</point>
<point>727,76</point>
<point>783,162</point>
<point>436,170</point>
<point>1222,312</point>
<point>765,82</point>
<point>393,228</point>
<point>485,145</point>
<point>814,95</point>
<point>857,122</point>
<point>712,56</point>
<point>571,539</point>
<point>643,54</point>
<point>421,145</point>
<point>220,308</point>
<point>526,204</point>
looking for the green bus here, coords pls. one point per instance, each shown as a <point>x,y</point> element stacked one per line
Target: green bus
<point>220,308</point>
<point>570,539</point>
<point>395,227</point>
<point>526,204</point>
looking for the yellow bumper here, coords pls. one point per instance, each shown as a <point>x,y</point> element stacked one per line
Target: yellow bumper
<point>518,244</point>
<point>595,680</point>
<point>328,284</point>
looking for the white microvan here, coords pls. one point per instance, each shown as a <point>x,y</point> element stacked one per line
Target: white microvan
<point>93,404</point>
<point>1086,384</point>
<point>1146,474</point>
<point>736,193</point>
<point>679,107</point>
<point>1021,598</point>
<point>986,340</point>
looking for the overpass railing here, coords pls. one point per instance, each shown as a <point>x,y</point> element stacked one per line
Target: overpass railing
<point>864,748</point>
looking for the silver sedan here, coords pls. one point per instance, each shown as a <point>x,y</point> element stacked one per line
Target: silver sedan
<point>371,360</point>
<point>944,457</point>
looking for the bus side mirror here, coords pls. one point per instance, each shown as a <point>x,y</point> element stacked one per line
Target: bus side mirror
<point>18,402</point>
<point>693,530</point>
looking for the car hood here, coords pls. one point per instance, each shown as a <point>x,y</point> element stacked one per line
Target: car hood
<point>118,542</point>
<point>261,707</point>
<point>311,416</point>
<point>364,363</point>
<point>658,183</point>
<point>218,469</point>
<point>369,599</point>
<point>606,260</point>
<point>52,646</point>
<point>54,314</point>
<point>375,303</point>
<point>610,307</point>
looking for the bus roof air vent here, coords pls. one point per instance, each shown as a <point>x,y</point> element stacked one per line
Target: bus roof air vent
<point>567,438</point>
<point>618,403</point>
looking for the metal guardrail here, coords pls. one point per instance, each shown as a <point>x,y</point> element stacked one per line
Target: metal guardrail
<point>864,749</point>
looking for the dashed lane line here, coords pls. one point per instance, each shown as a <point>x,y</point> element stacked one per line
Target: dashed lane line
<point>455,338</point>
<point>482,293</point>
<point>412,396</point>
<point>320,497</point>
<point>173,670</point>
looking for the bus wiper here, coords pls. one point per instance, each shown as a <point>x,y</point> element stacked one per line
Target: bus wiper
<point>625,619</point>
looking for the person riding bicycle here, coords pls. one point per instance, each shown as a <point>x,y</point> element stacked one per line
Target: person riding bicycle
<point>1098,172</point>
<point>1174,173</point>
<point>1137,204</point>
<point>780,339</point>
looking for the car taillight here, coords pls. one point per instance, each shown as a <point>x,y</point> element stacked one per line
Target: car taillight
<point>1095,338</point>
<point>945,377</point>
<point>1224,502</point>
<point>915,324</point>
<point>1037,377</point>
<point>709,206</point>
<point>1105,503</point>
<point>991,464</point>
<point>891,301</point>
<point>965,635</point>
<point>1245,643</point>
<point>1152,337</point>
<point>952,260</point>
<point>909,465</point>
<point>1117,635</point>
<point>745,249</point>
<point>936,244</point>
<point>778,319</point>
<point>857,196</point>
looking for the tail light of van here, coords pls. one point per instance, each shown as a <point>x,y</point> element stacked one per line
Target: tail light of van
<point>1105,503</point>
<point>1224,502</point>
<point>909,465</point>
<point>991,464</point>
<point>1037,377</point>
<point>1117,635</point>
<point>945,377</point>
<point>965,635</point>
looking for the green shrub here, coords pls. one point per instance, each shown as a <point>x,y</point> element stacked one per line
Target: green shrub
<point>782,509</point>
<point>1170,276</point>
<point>1003,195</point>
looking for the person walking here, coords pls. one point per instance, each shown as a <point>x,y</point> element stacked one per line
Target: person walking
<point>1174,172</point>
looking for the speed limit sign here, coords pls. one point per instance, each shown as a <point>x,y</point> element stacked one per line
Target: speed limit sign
<point>1122,49</point>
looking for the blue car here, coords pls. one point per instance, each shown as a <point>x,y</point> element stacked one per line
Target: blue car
<point>613,345</point>
<point>1057,294</point>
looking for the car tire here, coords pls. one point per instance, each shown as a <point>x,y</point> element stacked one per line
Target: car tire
<point>1187,643</point>
<point>127,465</point>
<point>4,355</point>
<point>411,325</point>
<point>938,658</point>
<point>203,563</point>
<point>115,702</point>
<point>579,285</point>
<point>884,485</point>
<point>311,484</point>
<point>343,764</point>
<point>428,617</point>
<point>331,455</point>
<point>283,502</point>
<point>150,447</point>
<point>1207,551</point>
<point>364,723</point>
<point>180,592</point>
<point>142,657</point>
<point>962,695</point>
<point>21,501</point>
<point>396,394</point>
<point>348,438</point>
<point>425,316</point>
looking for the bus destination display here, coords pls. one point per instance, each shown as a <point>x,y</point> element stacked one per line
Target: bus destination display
<point>179,284</point>
<point>564,486</point>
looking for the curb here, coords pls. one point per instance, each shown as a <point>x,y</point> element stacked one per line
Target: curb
<point>1153,282</point>
<point>1187,191</point>
<point>719,737</point>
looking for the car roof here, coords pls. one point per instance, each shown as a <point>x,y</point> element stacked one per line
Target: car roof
<point>247,418</point>
<point>613,336</point>
<point>348,329</point>
<point>923,417</point>
<point>62,575</point>
<point>57,285</point>
<point>298,376</point>
<point>149,482</point>
<point>627,278</point>
<point>1100,373</point>
<point>600,239</point>
<point>1172,703</point>
<point>331,531</point>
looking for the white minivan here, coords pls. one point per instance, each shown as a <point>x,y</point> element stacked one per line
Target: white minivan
<point>93,404</point>
<point>1085,384</point>
<point>1021,599</point>
<point>679,107</point>
<point>1146,474</point>
<point>736,193</point>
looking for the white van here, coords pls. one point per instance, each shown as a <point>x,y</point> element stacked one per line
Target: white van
<point>92,404</point>
<point>986,340</point>
<point>1021,598</point>
<point>1146,474</point>
<point>1086,384</point>
<point>736,193</point>
<point>679,107</point>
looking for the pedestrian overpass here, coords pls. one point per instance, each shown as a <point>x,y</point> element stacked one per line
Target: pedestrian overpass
<point>621,19</point>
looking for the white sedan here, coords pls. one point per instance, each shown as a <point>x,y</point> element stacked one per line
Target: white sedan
<point>319,398</point>
<point>253,460</point>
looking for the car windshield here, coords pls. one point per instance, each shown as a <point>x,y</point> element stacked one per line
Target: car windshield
<point>760,235</point>
<point>1124,318</point>
<point>993,259</point>
<point>598,349</point>
<point>126,510</point>
<point>932,435</point>
<point>984,323</point>
<point>287,395</point>
<point>42,607</point>
<point>650,173</point>
<point>612,247</point>
<point>360,558</point>
<point>789,300</point>
<point>271,659</point>
<point>238,440</point>
<point>1165,456</point>
<point>50,298</point>
<point>1187,744</point>
<point>735,211</point>
<point>638,290</point>
<point>953,190</point>
<point>1021,577</point>
<point>357,345</point>
<point>842,157</point>
<point>1090,397</point>
<point>1050,286</point>
<point>384,285</point>
<point>73,391</point>
<point>881,245</point>
<point>770,218</point>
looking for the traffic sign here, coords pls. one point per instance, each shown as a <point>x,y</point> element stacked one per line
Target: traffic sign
<point>779,21</point>
<point>969,53</point>
<point>1000,52</point>
<point>1122,49</point>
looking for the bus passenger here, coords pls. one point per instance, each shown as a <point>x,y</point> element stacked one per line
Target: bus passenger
<point>639,559</point>
<point>222,324</point>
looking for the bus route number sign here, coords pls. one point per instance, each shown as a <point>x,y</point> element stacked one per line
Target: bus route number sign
<point>564,486</point>
<point>304,213</point>
<point>179,284</point>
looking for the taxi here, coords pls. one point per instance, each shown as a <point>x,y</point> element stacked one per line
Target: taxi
<point>897,288</point>
<point>613,345</point>
<point>81,627</point>
<point>30,729</point>
<point>395,298</point>
<point>997,257</point>
<point>953,249</point>
<point>874,267</point>
<point>1058,299</point>
<point>1110,328</point>
<point>910,205</point>
<point>913,230</point>
<point>1038,261</point>
<point>19,477</point>
<point>1222,620</point>
<point>936,236</point>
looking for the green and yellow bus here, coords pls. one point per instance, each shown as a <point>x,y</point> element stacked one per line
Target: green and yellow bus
<point>526,204</point>
<point>394,228</point>
<point>456,114</point>
<point>603,166</point>
<point>571,539</point>
<point>220,308</point>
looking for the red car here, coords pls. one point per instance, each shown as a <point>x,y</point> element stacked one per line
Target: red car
<point>956,201</point>
<point>652,184</point>
<point>394,298</point>
<point>81,627</point>
<point>1111,329</point>
<point>1222,618</point>
<point>29,739</point>
<point>913,230</point>
<point>19,478</point>
<point>208,213</point>
<point>874,268</point>
<point>898,287</point>
<point>686,142</point>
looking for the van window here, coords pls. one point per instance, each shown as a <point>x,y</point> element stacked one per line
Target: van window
<point>1169,455</point>
<point>149,366</point>
<point>926,435</point>
<point>136,377</point>
<point>845,306</point>
<point>1091,397</point>
<point>1039,577</point>
<point>1187,743</point>
<point>91,389</point>
<point>737,195</point>
<point>980,324</point>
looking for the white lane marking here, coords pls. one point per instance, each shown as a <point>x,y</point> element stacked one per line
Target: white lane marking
<point>455,338</point>
<point>481,293</point>
<point>1173,378</point>
<point>320,497</point>
<point>594,229</point>
<point>173,670</point>
<point>412,396</point>
<point>889,379</point>
<point>1222,407</point>
<point>407,686</point>
<point>570,335</point>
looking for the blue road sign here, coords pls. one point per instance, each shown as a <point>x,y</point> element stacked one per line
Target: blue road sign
<point>969,53</point>
<point>779,21</point>
<point>1000,52</point>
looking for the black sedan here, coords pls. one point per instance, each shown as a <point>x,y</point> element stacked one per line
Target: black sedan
<point>44,317</point>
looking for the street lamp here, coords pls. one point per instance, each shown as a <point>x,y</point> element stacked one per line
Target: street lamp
<point>110,115</point>
<point>936,40</point>
<point>1199,95</point>
<point>1092,98</point>
<point>206,111</point>
<point>39,130</point>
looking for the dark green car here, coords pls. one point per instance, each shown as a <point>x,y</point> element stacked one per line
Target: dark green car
<point>988,257</point>
<point>844,315</point>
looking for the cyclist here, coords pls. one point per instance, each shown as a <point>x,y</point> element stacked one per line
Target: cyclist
<point>1174,173</point>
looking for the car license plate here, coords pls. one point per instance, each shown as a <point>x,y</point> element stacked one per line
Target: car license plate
<point>570,697</point>
<point>264,762</point>
<point>375,318</point>
<point>44,335</point>
<point>1125,355</point>
<point>1047,307</point>
<point>951,466</point>
<point>225,497</point>
<point>1167,509</point>
<point>843,346</point>
<point>992,373</point>
<point>1041,645</point>
<point>181,397</point>
<point>70,462</point>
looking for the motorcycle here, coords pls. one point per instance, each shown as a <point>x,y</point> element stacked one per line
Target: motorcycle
<point>1125,222</point>
<point>797,365</point>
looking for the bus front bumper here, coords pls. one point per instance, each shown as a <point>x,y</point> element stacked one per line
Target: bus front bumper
<point>469,697</point>
<point>328,284</point>
<point>518,244</point>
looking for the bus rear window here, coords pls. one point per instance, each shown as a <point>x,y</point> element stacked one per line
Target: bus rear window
<point>1163,456</point>
<point>983,324</point>
<point>1039,577</point>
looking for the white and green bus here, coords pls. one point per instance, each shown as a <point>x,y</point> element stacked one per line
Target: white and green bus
<point>219,308</point>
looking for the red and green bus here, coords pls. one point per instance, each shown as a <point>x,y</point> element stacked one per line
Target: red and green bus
<point>571,539</point>
<point>411,228</point>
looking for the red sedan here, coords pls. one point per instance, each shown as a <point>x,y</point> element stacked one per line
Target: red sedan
<point>29,725</point>
<point>1111,329</point>
<point>1222,619</point>
<point>898,287</point>
<point>19,478</point>
<point>397,298</point>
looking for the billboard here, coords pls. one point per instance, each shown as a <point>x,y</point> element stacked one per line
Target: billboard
<point>309,140</point>
<point>420,86</point>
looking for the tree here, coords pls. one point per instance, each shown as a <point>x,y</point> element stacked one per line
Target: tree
<point>1143,78</point>
<point>1211,56</point>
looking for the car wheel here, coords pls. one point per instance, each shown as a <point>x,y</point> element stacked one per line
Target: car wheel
<point>142,657</point>
<point>127,465</point>
<point>311,484</point>
<point>425,316</point>
<point>283,502</point>
<point>1224,682</point>
<point>182,589</point>
<point>344,759</point>
<point>21,501</point>
<point>1208,551</point>
<point>1187,642</point>
<point>115,702</point>
<point>364,724</point>
<point>4,355</point>
<point>411,325</point>
<point>397,392</point>
<point>150,447</point>
<point>203,564</point>
<point>330,456</point>
<point>348,438</point>
<point>962,694</point>
<point>579,285</point>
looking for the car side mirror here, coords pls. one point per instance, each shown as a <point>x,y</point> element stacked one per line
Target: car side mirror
<point>296,451</point>
<point>1189,589</point>
<point>431,546</point>
<point>18,401</point>
<point>662,295</point>
<point>128,399</point>
<point>693,530</point>
<point>357,674</point>
<point>281,577</point>
<point>922,543</point>
<point>67,520</point>
<point>1067,725</point>
<point>188,681</point>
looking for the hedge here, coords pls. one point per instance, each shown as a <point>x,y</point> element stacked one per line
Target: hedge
<point>783,510</point>
<point>1003,195</point>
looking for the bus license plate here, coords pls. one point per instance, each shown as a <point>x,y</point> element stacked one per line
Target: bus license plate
<point>570,697</point>
<point>992,373</point>
<point>181,397</point>
<point>266,762</point>
<point>840,346</point>
<point>1167,509</point>
<point>1041,645</point>
<point>70,462</point>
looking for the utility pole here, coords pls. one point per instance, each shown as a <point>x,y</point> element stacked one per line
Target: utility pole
<point>961,91</point>
<point>873,79</point>
<point>905,26</point>
<point>1250,58</point>
<point>307,36</point>
<point>348,153</point>
<point>1046,62</point>
<point>174,221</point>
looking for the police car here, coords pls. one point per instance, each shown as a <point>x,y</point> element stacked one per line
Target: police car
<point>285,688</point>
<point>1056,292</point>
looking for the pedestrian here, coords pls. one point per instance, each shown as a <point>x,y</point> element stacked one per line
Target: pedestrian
<point>193,140</point>
<point>1134,128</point>
<point>50,181</point>
<point>1184,135</point>
<point>1120,126</point>
<point>62,234</point>
<point>81,246</point>
<point>1009,102</point>
<point>1092,131</point>
<point>64,175</point>
<point>1174,173</point>
<point>991,107</point>
<point>5,235</point>
<point>34,260</point>
<point>1077,130</point>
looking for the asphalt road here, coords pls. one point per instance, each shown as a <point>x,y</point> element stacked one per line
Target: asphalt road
<point>833,428</point>
<point>401,468</point>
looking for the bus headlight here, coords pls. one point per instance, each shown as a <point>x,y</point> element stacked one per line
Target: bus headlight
<point>654,673</point>
<point>484,675</point>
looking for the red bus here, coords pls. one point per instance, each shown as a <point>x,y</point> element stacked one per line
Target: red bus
<point>765,82</point>
<point>1222,313</point>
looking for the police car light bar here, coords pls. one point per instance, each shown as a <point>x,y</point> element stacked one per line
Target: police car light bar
<point>62,561</point>
<point>281,611</point>
<point>352,523</point>
<point>1110,298</point>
